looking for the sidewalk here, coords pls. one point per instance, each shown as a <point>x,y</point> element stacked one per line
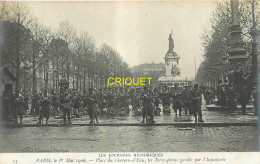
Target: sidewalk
<point>211,118</point>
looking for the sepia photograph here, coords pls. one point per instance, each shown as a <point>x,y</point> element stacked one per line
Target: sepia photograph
<point>129,76</point>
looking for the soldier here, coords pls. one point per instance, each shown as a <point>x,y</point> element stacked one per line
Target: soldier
<point>65,104</point>
<point>176,97</point>
<point>91,104</point>
<point>110,101</point>
<point>195,96</point>
<point>244,96</point>
<point>186,99</point>
<point>166,100</point>
<point>35,103</point>
<point>45,108</point>
<point>18,107</point>
<point>147,105</point>
<point>231,98</point>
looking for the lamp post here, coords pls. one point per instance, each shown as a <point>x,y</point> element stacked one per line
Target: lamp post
<point>236,53</point>
<point>254,33</point>
<point>64,84</point>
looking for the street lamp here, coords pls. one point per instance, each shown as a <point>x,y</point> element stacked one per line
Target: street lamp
<point>64,84</point>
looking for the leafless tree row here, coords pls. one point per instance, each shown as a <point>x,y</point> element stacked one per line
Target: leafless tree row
<point>39,56</point>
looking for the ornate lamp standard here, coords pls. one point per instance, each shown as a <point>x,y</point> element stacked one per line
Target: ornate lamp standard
<point>236,53</point>
<point>64,84</point>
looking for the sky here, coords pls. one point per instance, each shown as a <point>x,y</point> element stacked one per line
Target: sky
<point>139,31</point>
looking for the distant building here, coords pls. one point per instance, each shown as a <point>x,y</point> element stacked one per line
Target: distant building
<point>154,70</point>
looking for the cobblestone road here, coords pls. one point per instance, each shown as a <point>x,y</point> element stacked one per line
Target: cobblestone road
<point>134,138</point>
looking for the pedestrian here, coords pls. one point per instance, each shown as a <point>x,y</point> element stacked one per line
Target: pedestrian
<point>195,96</point>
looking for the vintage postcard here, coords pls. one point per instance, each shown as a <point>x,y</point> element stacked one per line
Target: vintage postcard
<point>129,81</point>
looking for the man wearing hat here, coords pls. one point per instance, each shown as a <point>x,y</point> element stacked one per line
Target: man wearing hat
<point>91,104</point>
<point>195,96</point>
<point>65,102</point>
<point>176,97</point>
<point>165,97</point>
<point>147,105</point>
<point>45,108</point>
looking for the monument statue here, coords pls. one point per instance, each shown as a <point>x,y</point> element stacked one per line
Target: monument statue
<point>171,44</point>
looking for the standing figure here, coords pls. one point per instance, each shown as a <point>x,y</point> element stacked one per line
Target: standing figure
<point>231,98</point>
<point>19,106</point>
<point>243,97</point>
<point>35,103</point>
<point>110,101</point>
<point>91,104</point>
<point>166,100</point>
<point>45,108</point>
<point>195,96</point>
<point>147,105</point>
<point>65,104</point>
<point>176,97</point>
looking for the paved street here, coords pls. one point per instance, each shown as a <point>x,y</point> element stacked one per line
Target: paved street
<point>129,138</point>
<point>186,138</point>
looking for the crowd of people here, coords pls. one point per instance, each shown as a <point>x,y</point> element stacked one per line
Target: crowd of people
<point>145,101</point>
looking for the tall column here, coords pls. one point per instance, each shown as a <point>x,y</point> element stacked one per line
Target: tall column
<point>237,53</point>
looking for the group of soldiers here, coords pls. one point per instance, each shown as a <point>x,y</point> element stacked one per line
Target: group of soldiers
<point>110,101</point>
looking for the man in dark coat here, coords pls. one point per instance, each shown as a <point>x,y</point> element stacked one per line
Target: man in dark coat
<point>147,105</point>
<point>19,106</point>
<point>231,98</point>
<point>176,98</point>
<point>166,98</point>
<point>195,96</point>
<point>244,98</point>
<point>91,104</point>
<point>65,105</point>
<point>45,108</point>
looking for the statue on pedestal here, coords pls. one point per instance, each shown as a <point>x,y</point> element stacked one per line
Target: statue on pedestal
<point>171,44</point>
